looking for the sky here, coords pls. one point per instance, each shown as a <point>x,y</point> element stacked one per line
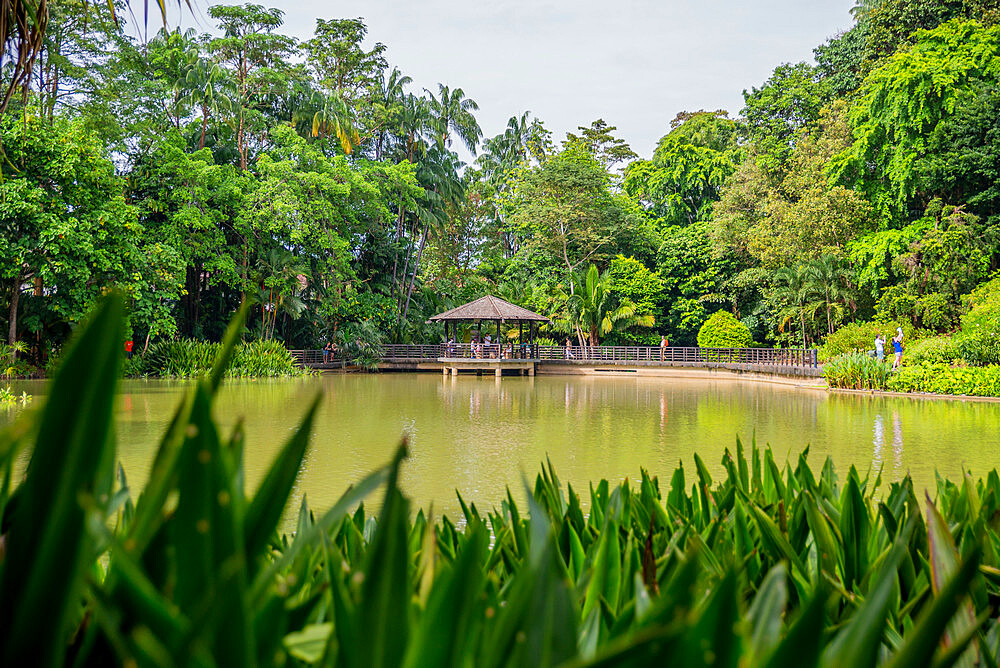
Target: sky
<point>634,63</point>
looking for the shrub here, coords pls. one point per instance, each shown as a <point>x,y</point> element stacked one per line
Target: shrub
<point>857,371</point>
<point>723,330</point>
<point>944,379</point>
<point>896,304</point>
<point>860,336</point>
<point>936,312</point>
<point>934,350</point>
<point>979,340</point>
<point>189,358</point>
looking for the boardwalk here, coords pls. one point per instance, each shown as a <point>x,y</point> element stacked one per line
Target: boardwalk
<point>788,361</point>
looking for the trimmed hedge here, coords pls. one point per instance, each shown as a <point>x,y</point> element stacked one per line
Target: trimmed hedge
<point>723,330</point>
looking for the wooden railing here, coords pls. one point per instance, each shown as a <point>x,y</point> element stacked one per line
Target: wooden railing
<point>397,352</point>
<point>312,357</point>
<point>802,357</point>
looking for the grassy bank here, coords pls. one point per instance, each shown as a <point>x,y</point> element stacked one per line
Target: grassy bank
<point>770,565</point>
<point>189,358</point>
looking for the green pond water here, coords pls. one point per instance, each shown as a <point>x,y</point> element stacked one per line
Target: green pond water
<point>477,434</point>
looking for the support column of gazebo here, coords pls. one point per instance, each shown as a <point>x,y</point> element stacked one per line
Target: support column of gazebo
<point>521,358</point>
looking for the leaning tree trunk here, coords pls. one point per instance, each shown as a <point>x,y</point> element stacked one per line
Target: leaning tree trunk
<point>416,265</point>
<point>395,252</point>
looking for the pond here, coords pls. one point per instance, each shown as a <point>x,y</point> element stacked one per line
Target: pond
<point>479,435</point>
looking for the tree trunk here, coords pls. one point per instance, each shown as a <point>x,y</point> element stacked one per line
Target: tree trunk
<point>416,265</point>
<point>204,126</point>
<point>240,147</point>
<point>802,321</point>
<point>402,281</point>
<point>395,253</point>
<point>15,297</point>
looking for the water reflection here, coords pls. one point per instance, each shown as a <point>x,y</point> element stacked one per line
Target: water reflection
<point>478,436</point>
<point>878,441</point>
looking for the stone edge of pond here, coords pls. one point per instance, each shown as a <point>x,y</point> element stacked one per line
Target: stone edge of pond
<point>914,395</point>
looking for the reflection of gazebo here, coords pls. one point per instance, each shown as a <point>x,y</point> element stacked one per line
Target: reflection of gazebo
<point>494,310</point>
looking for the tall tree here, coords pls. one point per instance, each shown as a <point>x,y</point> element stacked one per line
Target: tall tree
<point>564,208</point>
<point>338,62</point>
<point>789,102</point>
<point>256,56</point>
<point>903,101</point>
<point>787,218</point>
<point>65,228</point>
<point>606,148</point>
<point>689,167</point>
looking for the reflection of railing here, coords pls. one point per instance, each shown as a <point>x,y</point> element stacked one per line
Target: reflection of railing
<point>403,352</point>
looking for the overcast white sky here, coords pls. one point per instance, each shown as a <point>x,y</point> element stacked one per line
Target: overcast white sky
<point>634,63</point>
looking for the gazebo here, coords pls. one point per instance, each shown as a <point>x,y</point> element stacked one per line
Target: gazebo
<point>490,309</point>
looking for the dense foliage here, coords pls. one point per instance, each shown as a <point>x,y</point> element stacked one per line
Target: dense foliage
<point>197,171</point>
<point>943,378</point>
<point>768,566</point>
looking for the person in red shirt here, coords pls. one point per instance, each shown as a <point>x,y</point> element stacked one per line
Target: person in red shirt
<point>128,349</point>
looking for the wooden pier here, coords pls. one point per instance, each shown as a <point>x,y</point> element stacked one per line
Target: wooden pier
<point>454,365</point>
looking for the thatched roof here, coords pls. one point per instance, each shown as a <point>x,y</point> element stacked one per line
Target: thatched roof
<point>489,308</point>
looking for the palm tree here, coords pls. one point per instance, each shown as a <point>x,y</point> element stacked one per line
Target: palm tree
<point>175,55</point>
<point>592,311</point>
<point>439,174</point>
<point>391,96</point>
<point>206,85</point>
<point>793,288</point>
<point>452,113</point>
<point>507,150</point>
<point>828,280</point>
<point>414,120</point>
<point>335,118</point>
<point>281,277</point>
